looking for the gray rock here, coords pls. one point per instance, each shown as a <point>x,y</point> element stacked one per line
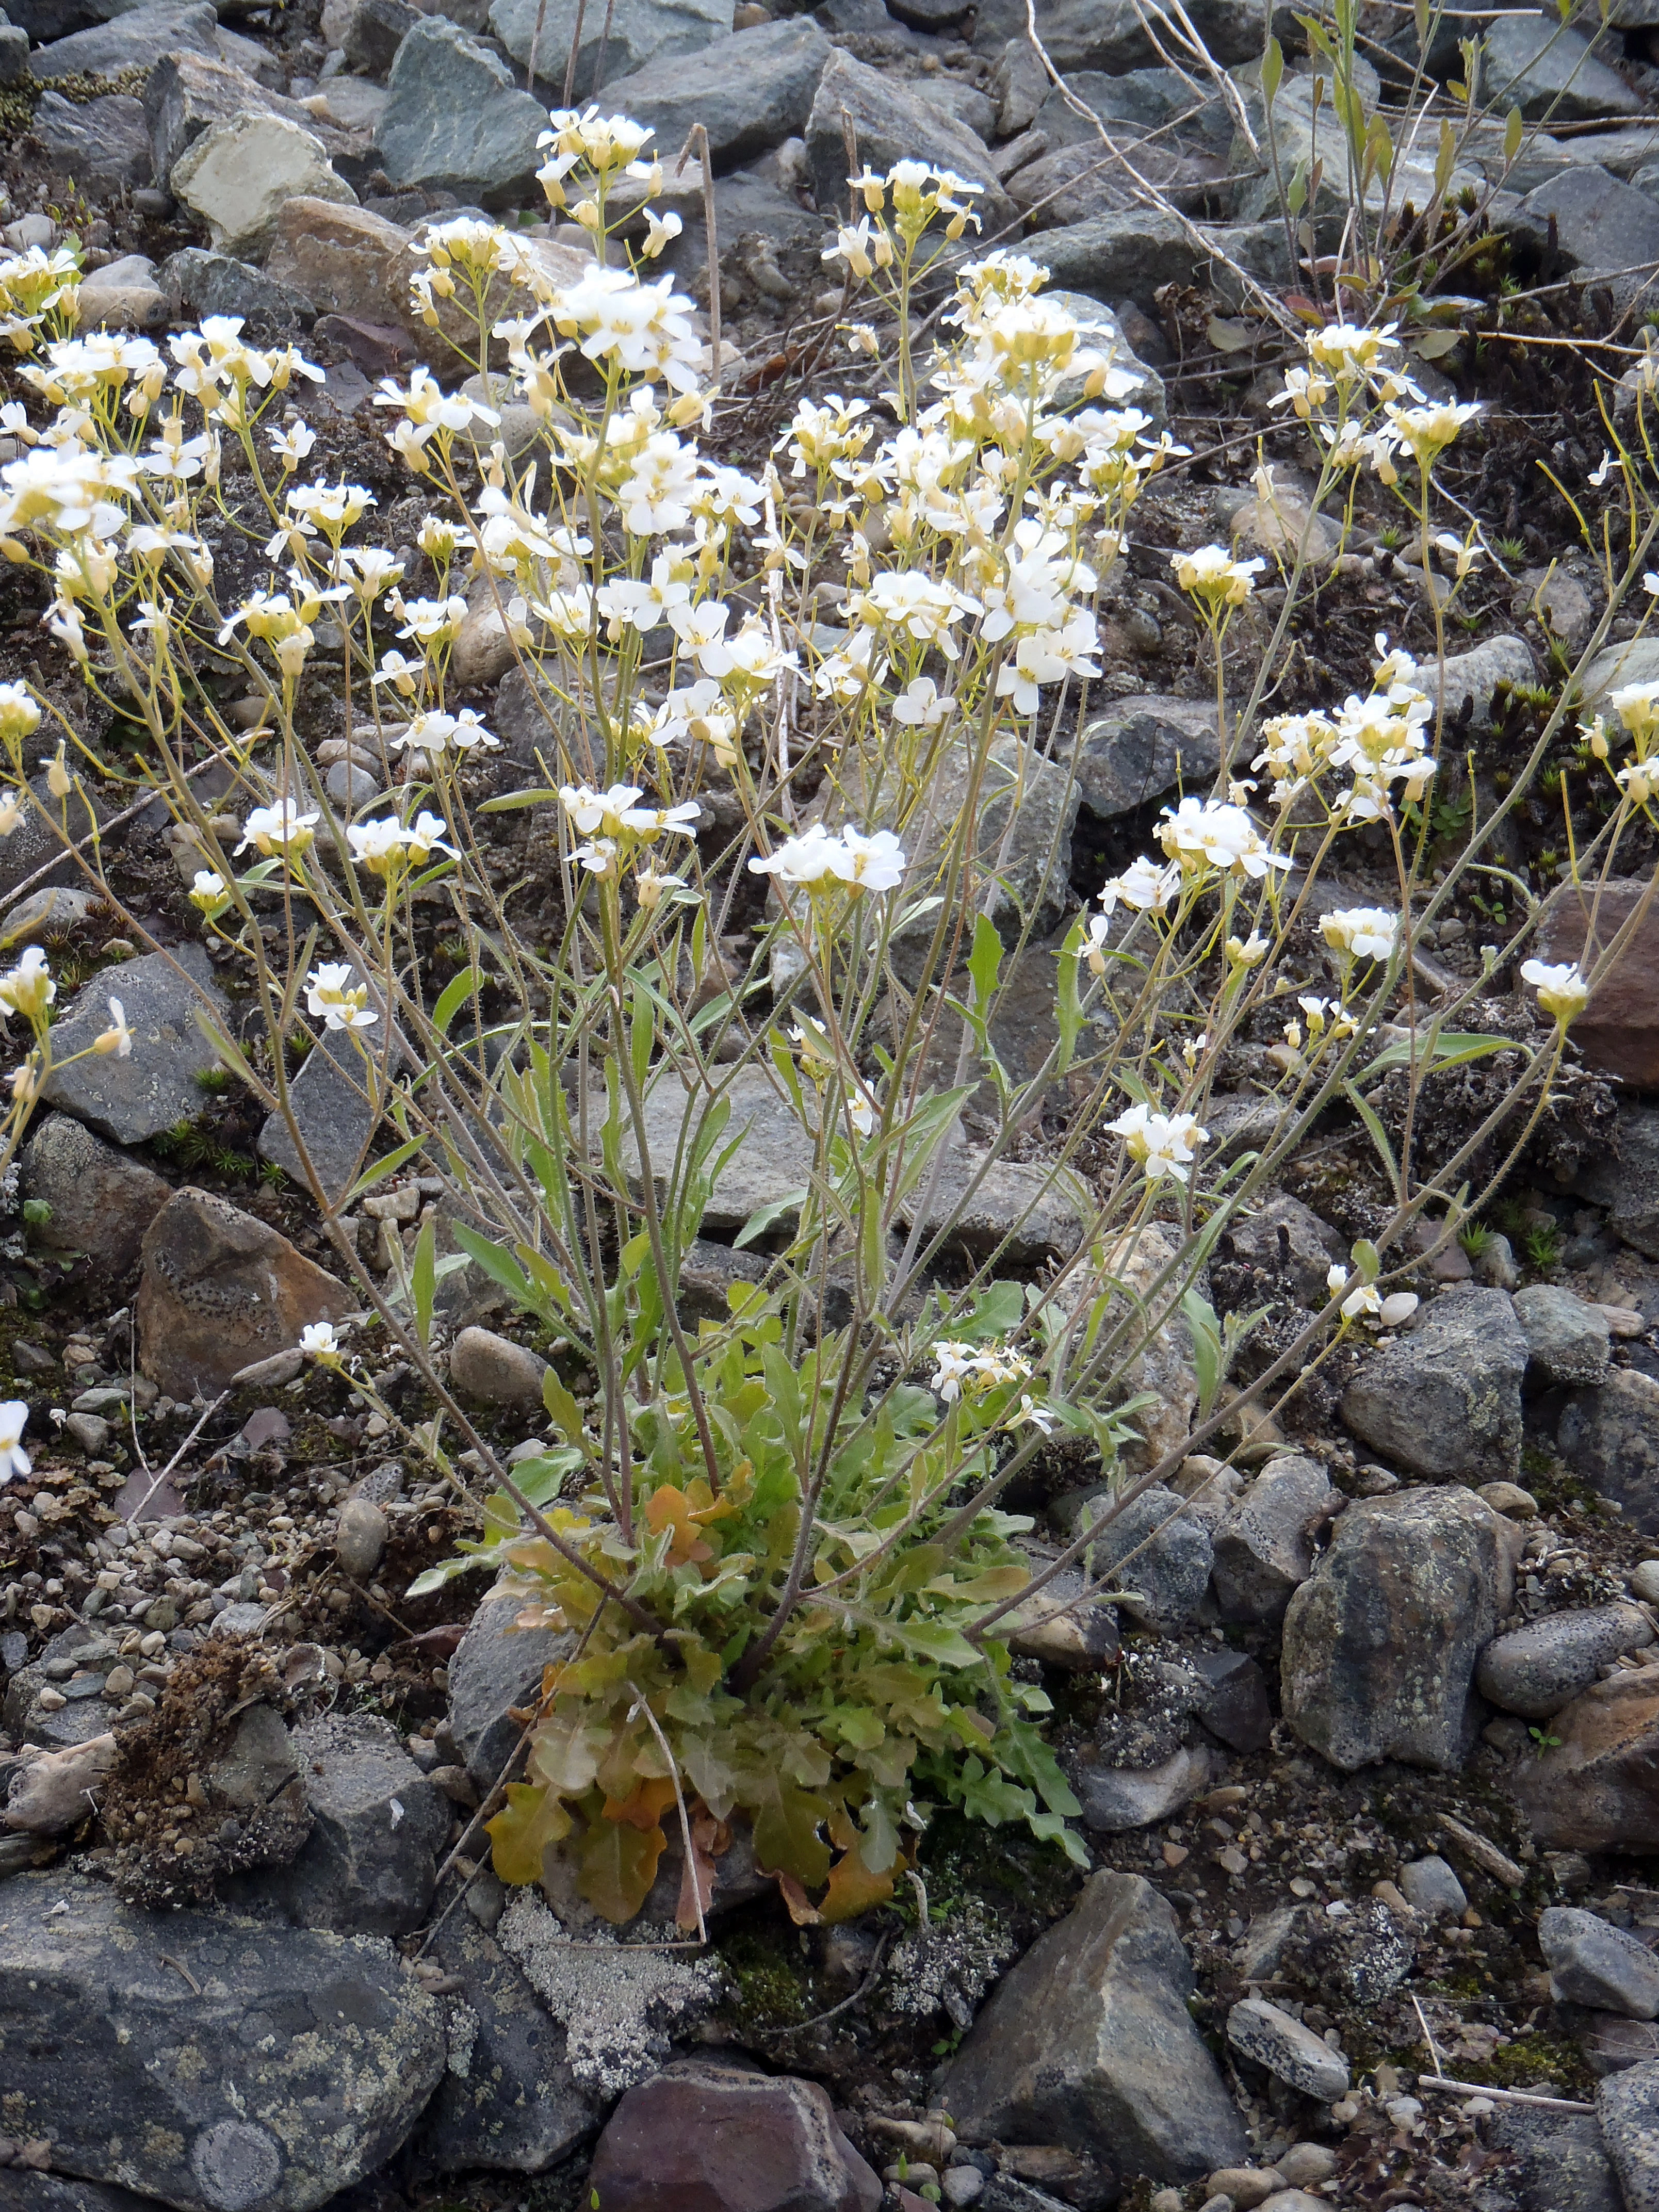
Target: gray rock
<point>37,843</point>
<point>1561,2164</point>
<point>1625,1178</point>
<point>1087,2041</point>
<point>131,42</point>
<point>496,1370</point>
<point>1019,1212</point>
<point>370,1864</point>
<point>1262,1551</point>
<point>1293,2053</point>
<point>1431,1887</point>
<point>102,143</point>
<point>301,2065</point>
<point>21,1714</point>
<point>1287,1244</point>
<point>892,124</point>
<point>510,2101</point>
<point>1603,229</point>
<point>1116,1799</point>
<point>749,92</point>
<point>57,2192</point>
<point>1445,1399</point>
<point>706,2132</point>
<point>1381,1641</point>
<point>1169,1570</point>
<point>775,1158</point>
<point>1591,1962</point>
<point>360,1534</point>
<point>1568,1342</point>
<point>1535,1670</point>
<point>455,122</point>
<point>210,283</point>
<point>1109,35</point>
<point>1127,254</point>
<point>133,1099</point>
<point>1142,747</point>
<point>1100,327</point>
<point>1232,1701</point>
<point>1542,66</point>
<point>1472,677</point>
<point>962,102</point>
<point>186,94</point>
<point>1628,2106</point>
<point>377,29</point>
<point>496,1666</point>
<point>641,31</point>
<point>336,1121</point>
<point>101,1200</point>
<point>1609,1438</point>
<point>1645,1581</point>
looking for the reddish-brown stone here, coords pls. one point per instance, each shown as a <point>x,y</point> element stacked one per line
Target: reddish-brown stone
<point>706,2137</point>
<point>1597,1788</point>
<point>1619,1030</point>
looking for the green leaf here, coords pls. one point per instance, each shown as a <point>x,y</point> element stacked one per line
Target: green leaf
<point>985,961</point>
<point>424,1278</point>
<point>1205,1330</point>
<point>1434,345</point>
<point>1068,1008</point>
<point>763,1216</point>
<point>786,1820</point>
<point>378,1170</point>
<point>1379,1135</point>
<point>1445,160</point>
<point>1273,70</point>
<point>433,1578</point>
<point>566,1412</point>
<point>456,992</point>
<point>1513,129</point>
<point>497,1264</point>
<point>1451,1048</point>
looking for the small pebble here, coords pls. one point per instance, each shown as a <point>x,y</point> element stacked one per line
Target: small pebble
<point>1644,1582</point>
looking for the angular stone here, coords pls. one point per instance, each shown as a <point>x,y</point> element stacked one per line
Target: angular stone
<point>378,29</point>
<point>210,283</point>
<point>1431,1887</point>
<point>131,42</point>
<point>1445,1398</point>
<point>701,2133</point>
<point>220,1290</point>
<point>1609,1438</point>
<point>1171,1569</point>
<point>123,295</point>
<point>1141,748</point>
<point>1604,230</point>
<point>1591,1962</point>
<point>334,1118</point>
<point>102,143</point>
<point>1021,1213</point>
<point>1294,2054</point>
<point>301,2065</point>
<point>1381,1641</point>
<point>496,1371</point>
<point>774,1160</point>
<point>1084,1637</point>
<point>1110,35</point>
<point>1628,2106</point>
<point>1233,1702</point>
<point>102,1201</point>
<point>1568,1342</point>
<point>1619,1030</point>
<point>892,126</point>
<point>749,92</point>
<point>1289,1247</point>
<point>496,1666</point>
<point>511,2102</point>
<point>641,31</point>
<point>1536,63</point>
<point>1127,254</point>
<point>1087,2042</point>
<point>1560,2164</point>
<point>455,122</point>
<point>1472,679</point>
<point>1625,1178</point>
<point>346,259</point>
<point>1262,1551</point>
<point>1597,1787</point>
<point>239,176</point>
<point>1116,1799</point>
<point>134,1099</point>
<point>1535,1670</point>
<point>186,94</point>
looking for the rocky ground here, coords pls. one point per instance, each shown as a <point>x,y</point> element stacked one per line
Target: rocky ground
<point>1369,1769</point>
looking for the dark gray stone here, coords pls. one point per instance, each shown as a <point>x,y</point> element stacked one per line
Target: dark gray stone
<point>1568,1342</point>
<point>455,122</point>
<point>102,1201</point>
<point>1604,229</point>
<point>497,1667</point>
<point>1626,1178</point>
<point>1169,1570</point>
<point>1609,1438</point>
<point>1431,1887</point>
<point>102,143</point>
<point>1591,1962</point>
<point>133,1099</point>
<point>749,92</point>
<point>1289,1247</point>
<point>377,29</point>
<point>1233,1701</point>
<point>1300,2058</point>
<point>513,2104</point>
<point>1536,1670</point>
<point>335,1120</point>
<point>1263,1553</point>
<point>1088,2042</point>
<point>209,284</point>
<point>1111,35</point>
<point>1129,254</point>
<point>892,126</point>
<point>1542,66</point>
<point>1381,1641</point>
<point>301,2065</point>
<point>23,1718</point>
<point>1151,98</point>
<point>131,42</point>
<point>1142,747</point>
<point>639,31</point>
<point>1445,1398</point>
<point>186,94</point>
<point>1116,1799</point>
<point>1560,2163</point>
<point>23,2191</point>
<point>1628,2106</point>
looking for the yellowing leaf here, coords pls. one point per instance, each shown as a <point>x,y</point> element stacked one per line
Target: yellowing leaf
<point>644,1807</point>
<point>669,1508</point>
<point>852,1888</point>
<point>619,1866</point>
<point>531,1820</point>
<point>800,1907</point>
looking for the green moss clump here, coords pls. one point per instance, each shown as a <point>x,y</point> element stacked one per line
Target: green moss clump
<point>771,1985</point>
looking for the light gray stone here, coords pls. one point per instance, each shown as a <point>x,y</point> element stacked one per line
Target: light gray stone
<point>496,1666</point>
<point>1472,679</point>
<point>360,1533</point>
<point>1381,1641</point>
<point>1536,1670</point>
<point>1591,1962</point>
<point>1544,67</point>
<point>1024,1214</point>
<point>1129,254</point>
<point>1604,230</point>
<point>301,2065</point>
<point>1294,2054</point>
<point>892,124</point>
<point>210,283</point>
<point>134,1099</point>
<point>1141,747</point>
<point>1172,1555</point>
<point>1113,36</point>
<point>456,121</point>
<point>641,31</point>
<point>239,176</point>
<point>496,1371</point>
<point>1568,1342</point>
<point>101,1200</point>
<point>1560,2164</point>
<point>1263,1553</point>
<point>749,92</point>
<point>1116,1799</point>
<point>1088,2041</point>
<point>131,42</point>
<point>1609,1438</point>
<point>1445,1398</point>
<point>1628,2106</point>
<point>1430,1886</point>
